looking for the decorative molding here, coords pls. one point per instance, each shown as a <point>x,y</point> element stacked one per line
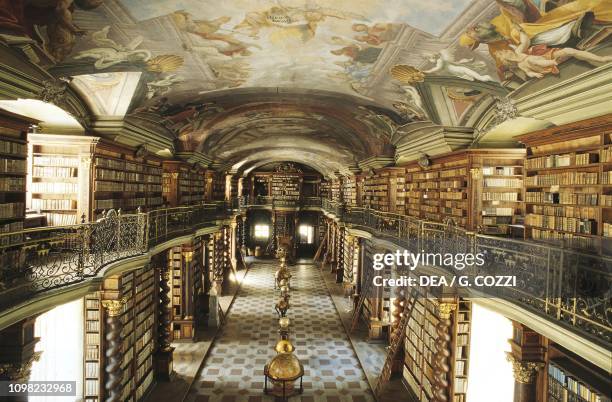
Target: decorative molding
<point>19,371</point>
<point>195,157</point>
<point>416,139</point>
<point>375,162</point>
<point>579,97</point>
<point>136,130</point>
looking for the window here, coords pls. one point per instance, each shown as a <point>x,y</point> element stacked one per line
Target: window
<point>489,371</point>
<point>306,234</point>
<point>262,231</point>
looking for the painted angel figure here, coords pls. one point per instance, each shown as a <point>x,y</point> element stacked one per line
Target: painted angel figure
<point>464,68</point>
<point>539,60</point>
<point>293,21</point>
<point>110,53</point>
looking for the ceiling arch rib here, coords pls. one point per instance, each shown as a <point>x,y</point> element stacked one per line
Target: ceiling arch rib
<point>335,126</point>
<point>324,164</point>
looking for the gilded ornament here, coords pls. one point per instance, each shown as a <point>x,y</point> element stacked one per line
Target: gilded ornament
<point>445,310</point>
<point>114,308</point>
<point>524,372</point>
<point>407,74</point>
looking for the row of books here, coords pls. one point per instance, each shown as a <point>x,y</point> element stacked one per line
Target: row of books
<point>55,188</point>
<point>11,210</point>
<point>500,171</point>
<point>12,184</point>
<point>58,219</point>
<point>569,211</point>
<point>500,196</point>
<point>54,171</point>
<point>565,178</point>
<point>572,385</point>
<point>453,173</point>
<point>11,228</point>
<point>18,166</point>
<point>51,204</point>
<point>583,226</point>
<point>606,177</point>
<point>59,161</point>
<point>425,176</point>
<point>573,240</point>
<point>549,161</point>
<point>606,155</point>
<point>561,198</point>
<point>497,211</point>
<point>452,184</point>
<point>13,148</point>
<point>501,182</point>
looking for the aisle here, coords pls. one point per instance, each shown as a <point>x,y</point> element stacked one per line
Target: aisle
<point>233,370</point>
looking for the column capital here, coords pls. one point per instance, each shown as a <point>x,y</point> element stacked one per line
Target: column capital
<point>445,310</point>
<point>114,307</point>
<point>19,371</point>
<point>524,372</point>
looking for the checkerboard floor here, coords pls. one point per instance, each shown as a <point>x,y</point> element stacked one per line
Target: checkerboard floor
<point>233,370</point>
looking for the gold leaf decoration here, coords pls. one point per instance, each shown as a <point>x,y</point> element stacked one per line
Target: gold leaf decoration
<point>165,63</point>
<point>407,74</point>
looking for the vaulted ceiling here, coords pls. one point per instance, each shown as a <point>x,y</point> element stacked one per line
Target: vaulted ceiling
<point>326,83</point>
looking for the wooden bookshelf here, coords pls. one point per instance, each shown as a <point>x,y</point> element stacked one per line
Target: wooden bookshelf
<point>138,318</point>
<point>462,319</point>
<point>218,187</point>
<point>385,190</point>
<point>181,265</point>
<point>183,184</point>
<point>569,378</point>
<point>75,177</point>
<point>336,190</point>
<point>94,334</point>
<point>325,189</point>
<point>145,313</point>
<point>126,180</point>
<point>13,169</point>
<point>478,189</point>
<point>286,186</point>
<point>568,186</point>
<point>419,350</point>
<point>349,190</point>
<point>59,179</point>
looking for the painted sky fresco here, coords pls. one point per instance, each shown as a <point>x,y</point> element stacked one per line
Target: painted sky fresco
<point>318,44</point>
<point>429,16</point>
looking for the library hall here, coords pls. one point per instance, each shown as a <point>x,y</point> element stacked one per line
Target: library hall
<point>306,201</point>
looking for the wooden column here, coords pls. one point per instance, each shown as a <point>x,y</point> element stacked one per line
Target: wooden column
<point>113,354</point>
<point>340,257</point>
<point>527,357</point>
<point>441,364</point>
<point>163,356</point>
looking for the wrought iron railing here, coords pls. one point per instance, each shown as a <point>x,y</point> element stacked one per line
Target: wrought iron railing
<point>37,260</point>
<point>570,287</point>
<point>567,286</point>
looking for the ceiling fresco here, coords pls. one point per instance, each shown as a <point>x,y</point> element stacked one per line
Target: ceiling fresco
<point>386,62</point>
